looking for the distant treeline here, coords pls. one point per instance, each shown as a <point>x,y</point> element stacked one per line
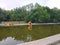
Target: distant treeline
<point>34,13</point>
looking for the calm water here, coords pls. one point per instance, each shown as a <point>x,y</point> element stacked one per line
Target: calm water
<point>19,34</point>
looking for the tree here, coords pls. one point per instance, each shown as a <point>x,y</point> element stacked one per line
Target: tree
<point>35,13</point>
<point>38,15</point>
<point>2,15</point>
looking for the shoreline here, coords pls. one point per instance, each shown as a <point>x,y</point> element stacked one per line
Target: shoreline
<point>32,24</point>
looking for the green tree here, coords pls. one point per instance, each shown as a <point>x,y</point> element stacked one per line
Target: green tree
<point>38,15</point>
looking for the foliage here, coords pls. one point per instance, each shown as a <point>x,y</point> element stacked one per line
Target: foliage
<point>35,13</point>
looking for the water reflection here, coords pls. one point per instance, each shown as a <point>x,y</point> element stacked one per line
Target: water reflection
<point>10,41</point>
<point>13,41</point>
<point>29,38</point>
<point>19,34</point>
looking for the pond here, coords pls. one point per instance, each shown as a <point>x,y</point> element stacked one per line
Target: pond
<point>13,35</point>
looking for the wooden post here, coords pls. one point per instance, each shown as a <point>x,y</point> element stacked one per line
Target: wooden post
<point>29,25</point>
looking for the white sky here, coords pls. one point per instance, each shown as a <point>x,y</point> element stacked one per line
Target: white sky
<point>10,4</point>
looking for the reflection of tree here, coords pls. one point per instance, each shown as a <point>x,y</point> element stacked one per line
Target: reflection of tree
<point>19,33</point>
<point>54,29</point>
<point>22,32</point>
<point>52,26</point>
<point>28,38</point>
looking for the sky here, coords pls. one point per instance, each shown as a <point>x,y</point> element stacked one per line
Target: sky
<point>10,4</point>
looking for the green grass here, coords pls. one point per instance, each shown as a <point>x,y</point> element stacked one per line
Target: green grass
<point>21,32</point>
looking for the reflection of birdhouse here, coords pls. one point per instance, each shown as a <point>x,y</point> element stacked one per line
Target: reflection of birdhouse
<point>29,25</point>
